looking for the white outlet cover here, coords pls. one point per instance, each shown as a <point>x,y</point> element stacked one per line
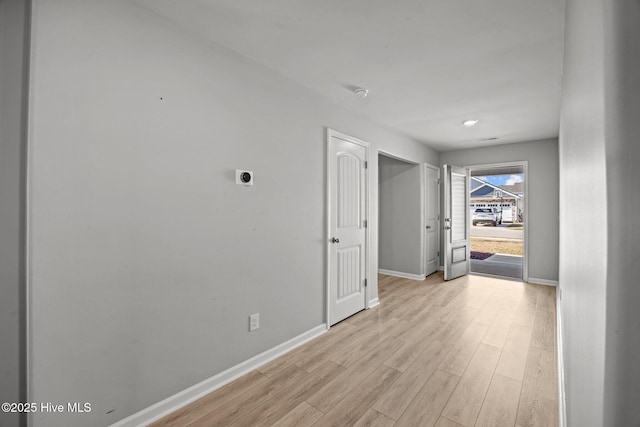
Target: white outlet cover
<point>239,176</point>
<point>254,322</point>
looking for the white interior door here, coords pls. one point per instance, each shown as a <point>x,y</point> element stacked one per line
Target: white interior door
<point>431,221</point>
<point>456,222</point>
<point>347,228</point>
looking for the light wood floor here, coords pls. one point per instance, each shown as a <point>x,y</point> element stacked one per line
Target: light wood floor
<point>475,351</point>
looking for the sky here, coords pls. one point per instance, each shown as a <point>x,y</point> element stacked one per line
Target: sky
<point>502,179</point>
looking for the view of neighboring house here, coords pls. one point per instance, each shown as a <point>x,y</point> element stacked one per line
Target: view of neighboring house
<point>508,198</point>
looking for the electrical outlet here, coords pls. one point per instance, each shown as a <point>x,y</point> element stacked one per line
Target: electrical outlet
<point>254,322</point>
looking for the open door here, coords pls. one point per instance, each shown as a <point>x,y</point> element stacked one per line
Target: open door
<point>456,222</point>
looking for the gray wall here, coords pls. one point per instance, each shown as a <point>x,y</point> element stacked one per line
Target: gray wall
<point>400,243</point>
<point>622,370</point>
<point>542,198</point>
<point>598,157</point>
<point>13,93</point>
<point>583,234</point>
<point>147,258</point>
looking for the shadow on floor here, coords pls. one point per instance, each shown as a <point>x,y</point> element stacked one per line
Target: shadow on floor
<point>499,265</point>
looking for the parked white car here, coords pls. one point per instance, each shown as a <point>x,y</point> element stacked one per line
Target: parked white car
<point>487,215</point>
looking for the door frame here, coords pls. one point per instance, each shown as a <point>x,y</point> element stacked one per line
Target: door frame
<point>423,205</point>
<point>424,215</point>
<point>525,173</point>
<point>331,133</point>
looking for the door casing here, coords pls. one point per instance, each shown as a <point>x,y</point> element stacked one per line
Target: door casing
<point>425,241</point>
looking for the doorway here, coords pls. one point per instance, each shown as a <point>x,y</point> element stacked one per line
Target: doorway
<point>400,237</point>
<point>497,211</point>
<point>408,217</point>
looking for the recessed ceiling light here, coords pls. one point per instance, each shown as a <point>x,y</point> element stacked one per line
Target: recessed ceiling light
<point>361,92</point>
<point>469,123</point>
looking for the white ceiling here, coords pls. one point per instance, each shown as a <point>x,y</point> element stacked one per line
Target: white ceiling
<point>428,64</point>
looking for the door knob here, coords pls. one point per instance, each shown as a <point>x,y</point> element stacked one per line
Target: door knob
<point>428,227</point>
<point>334,240</point>
<point>446,227</point>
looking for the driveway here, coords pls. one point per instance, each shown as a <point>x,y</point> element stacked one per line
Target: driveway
<point>501,231</point>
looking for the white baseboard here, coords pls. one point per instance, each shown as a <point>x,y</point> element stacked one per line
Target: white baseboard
<point>374,302</point>
<point>403,275</point>
<point>195,392</point>
<point>545,282</point>
<point>562,408</point>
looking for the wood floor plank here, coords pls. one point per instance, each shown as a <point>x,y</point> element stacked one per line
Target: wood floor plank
<point>547,299</point>
<point>212,401</point>
<point>538,398</point>
<point>497,333</point>
<point>395,400</point>
<point>289,398</point>
<point>362,345</point>
<point>335,334</point>
<point>426,407</point>
<point>228,414</point>
<point>501,403</point>
<point>410,350</point>
<point>445,422</point>
<point>353,406</point>
<point>524,316</point>
<point>351,339</point>
<point>302,415</point>
<point>466,400</point>
<point>541,370</point>
<point>464,349</point>
<point>540,373</point>
<point>373,418</point>
<point>540,412</point>
<point>460,315</point>
<point>514,353</point>
<point>490,311</point>
<point>544,330</point>
<point>332,393</point>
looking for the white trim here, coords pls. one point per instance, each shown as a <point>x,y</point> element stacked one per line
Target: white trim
<point>401,274</point>
<point>195,392</point>
<point>395,156</point>
<point>374,302</point>
<point>512,279</point>
<point>424,207</point>
<point>545,282</point>
<point>562,405</point>
<point>339,135</point>
<point>423,218</point>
